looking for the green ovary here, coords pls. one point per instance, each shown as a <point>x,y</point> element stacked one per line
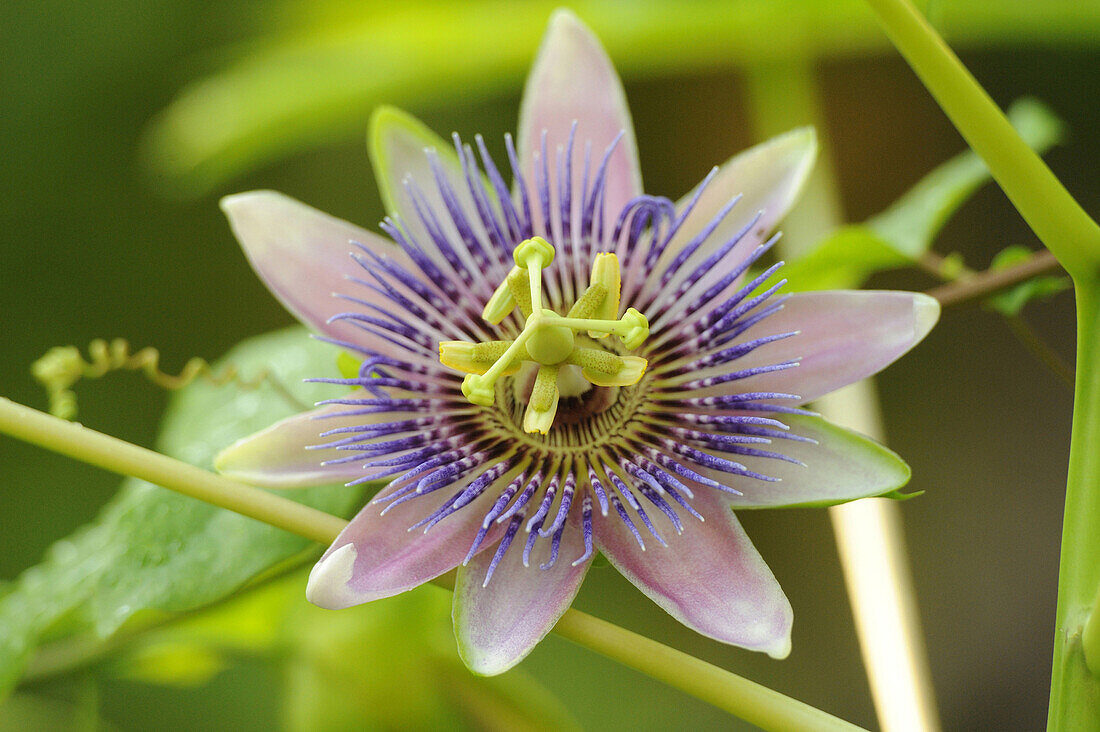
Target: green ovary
<point>550,344</point>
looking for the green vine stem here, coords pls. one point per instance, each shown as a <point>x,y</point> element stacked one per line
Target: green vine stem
<point>868,533</point>
<point>1074,238</point>
<point>1051,212</point>
<point>1074,690</point>
<point>748,700</point>
<point>1090,638</point>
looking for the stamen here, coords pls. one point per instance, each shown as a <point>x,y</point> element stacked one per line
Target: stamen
<point>586,518</point>
<point>505,542</point>
<point>548,338</point>
<point>555,545</point>
<point>597,488</point>
<point>528,491</point>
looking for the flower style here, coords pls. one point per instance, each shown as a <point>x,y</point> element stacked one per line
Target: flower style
<point>560,442</point>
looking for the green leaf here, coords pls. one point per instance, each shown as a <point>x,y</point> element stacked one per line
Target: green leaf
<point>154,550</point>
<point>842,261</point>
<point>1010,302</point>
<point>192,649</point>
<point>173,664</point>
<point>905,231</point>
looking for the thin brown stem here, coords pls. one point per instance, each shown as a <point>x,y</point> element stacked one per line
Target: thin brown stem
<point>994,280</point>
<point>938,266</point>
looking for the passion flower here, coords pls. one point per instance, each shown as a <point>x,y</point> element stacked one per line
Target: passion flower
<point>565,365</point>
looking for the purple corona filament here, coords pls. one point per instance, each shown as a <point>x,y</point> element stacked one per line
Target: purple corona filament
<point>675,436</point>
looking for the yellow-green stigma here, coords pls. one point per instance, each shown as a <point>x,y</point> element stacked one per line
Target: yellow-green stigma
<point>548,339</point>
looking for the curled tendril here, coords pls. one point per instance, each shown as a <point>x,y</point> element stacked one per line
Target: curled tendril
<point>63,366</point>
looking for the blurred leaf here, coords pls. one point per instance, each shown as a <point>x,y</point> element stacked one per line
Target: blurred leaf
<point>34,712</point>
<point>905,231</point>
<point>325,64</point>
<point>173,664</point>
<point>193,648</point>
<point>842,260</point>
<point>393,664</point>
<point>389,664</point>
<point>512,701</point>
<point>1010,302</point>
<point>151,549</point>
<point>952,266</point>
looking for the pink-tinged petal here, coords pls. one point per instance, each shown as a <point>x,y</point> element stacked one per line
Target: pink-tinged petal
<point>402,149</point>
<point>304,257</point>
<point>498,624</point>
<point>710,578</point>
<point>839,466</point>
<point>843,337</point>
<point>769,178</point>
<point>377,556</point>
<point>572,79</point>
<point>277,457</point>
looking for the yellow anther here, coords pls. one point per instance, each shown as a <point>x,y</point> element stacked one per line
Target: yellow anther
<point>596,358</point>
<point>520,288</point>
<point>586,306</point>
<point>605,271</point>
<point>500,304</point>
<point>475,358</point>
<point>631,373</point>
<point>608,369</point>
<point>543,404</point>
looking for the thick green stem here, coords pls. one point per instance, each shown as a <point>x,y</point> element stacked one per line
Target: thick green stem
<point>1058,220</point>
<point>1075,691</point>
<point>757,704</point>
<point>746,699</point>
<point>110,453</point>
<point>1090,637</point>
<point>1074,238</point>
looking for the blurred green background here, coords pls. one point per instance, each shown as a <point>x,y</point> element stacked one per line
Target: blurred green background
<point>100,241</point>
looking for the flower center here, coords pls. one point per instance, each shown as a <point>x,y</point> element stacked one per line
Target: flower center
<point>549,340</point>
